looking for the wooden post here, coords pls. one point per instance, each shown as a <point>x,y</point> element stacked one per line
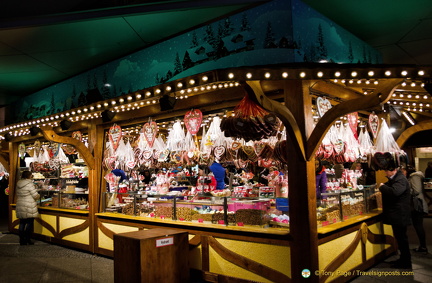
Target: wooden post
<point>301,178</point>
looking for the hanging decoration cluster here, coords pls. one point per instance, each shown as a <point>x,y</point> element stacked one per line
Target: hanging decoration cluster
<point>250,122</point>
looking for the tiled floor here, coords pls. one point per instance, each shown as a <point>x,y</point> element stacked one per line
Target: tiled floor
<point>45,262</point>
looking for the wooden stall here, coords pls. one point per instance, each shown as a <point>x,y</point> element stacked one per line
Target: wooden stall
<point>261,253</point>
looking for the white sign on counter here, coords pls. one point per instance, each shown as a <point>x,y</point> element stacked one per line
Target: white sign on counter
<point>164,242</point>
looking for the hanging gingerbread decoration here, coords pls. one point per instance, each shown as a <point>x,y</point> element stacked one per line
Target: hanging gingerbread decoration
<point>353,122</point>
<point>114,135</point>
<point>374,124</point>
<point>192,120</point>
<point>150,130</point>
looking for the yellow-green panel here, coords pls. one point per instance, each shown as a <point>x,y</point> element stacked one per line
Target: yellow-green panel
<point>195,256</point>
<point>51,220</point>
<point>105,242</point>
<point>327,252</point>
<point>276,257</point>
<point>82,237</point>
<point>14,218</point>
<point>374,249</point>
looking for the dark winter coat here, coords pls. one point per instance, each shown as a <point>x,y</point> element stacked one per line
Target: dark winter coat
<point>396,200</point>
<point>26,206</point>
<point>321,182</point>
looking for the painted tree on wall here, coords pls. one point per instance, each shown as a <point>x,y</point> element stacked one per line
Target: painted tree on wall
<point>195,41</point>
<point>322,50</point>
<point>209,36</point>
<point>245,26</point>
<point>178,68</point>
<point>269,37</point>
<point>187,62</point>
<point>350,52</point>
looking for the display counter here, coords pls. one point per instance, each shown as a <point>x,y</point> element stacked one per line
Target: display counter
<point>69,227</point>
<point>222,251</point>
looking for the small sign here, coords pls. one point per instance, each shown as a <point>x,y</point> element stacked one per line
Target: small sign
<point>164,242</point>
<point>200,220</point>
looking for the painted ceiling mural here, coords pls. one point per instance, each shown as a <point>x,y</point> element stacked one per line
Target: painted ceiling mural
<point>280,31</point>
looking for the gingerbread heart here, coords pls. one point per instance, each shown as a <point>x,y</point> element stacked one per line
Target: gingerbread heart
<point>22,150</point>
<point>147,154</point>
<point>150,130</point>
<point>114,135</point>
<point>323,105</point>
<point>219,151</point>
<point>236,145</point>
<point>77,135</point>
<point>192,120</point>
<point>374,124</point>
<point>353,122</point>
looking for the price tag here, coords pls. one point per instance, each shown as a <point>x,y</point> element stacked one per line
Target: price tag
<point>240,224</point>
<point>221,222</point>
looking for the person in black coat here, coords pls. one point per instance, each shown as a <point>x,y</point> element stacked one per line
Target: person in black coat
<point>397,212</point>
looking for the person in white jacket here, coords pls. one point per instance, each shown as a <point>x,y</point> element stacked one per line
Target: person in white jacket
<point>26,207</point>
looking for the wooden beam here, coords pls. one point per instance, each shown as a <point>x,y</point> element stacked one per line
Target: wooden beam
<point>280,110</point>
<point>422,126</point>
<point>381,95</point>
<point>50,135</point>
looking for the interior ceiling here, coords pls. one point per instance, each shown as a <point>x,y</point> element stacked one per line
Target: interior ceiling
<point>43,42</point>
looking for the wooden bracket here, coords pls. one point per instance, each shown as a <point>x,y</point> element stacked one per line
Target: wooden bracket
<point>381,95</point>
<point>254,89</point>
<point>50,135</point>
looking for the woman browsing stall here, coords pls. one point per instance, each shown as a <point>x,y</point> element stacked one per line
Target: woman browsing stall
<point>26,207</point>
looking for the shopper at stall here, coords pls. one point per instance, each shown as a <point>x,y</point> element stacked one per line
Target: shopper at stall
<point>147,177</point>
<point>397,212</point>
<point>26,207</point>
<point>206,181</point>
<point>415,179</point>
<point>428,171</point>
<point>321,178</point>
<point>219,174</point>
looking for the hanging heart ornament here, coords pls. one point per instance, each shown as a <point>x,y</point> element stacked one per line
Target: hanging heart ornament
<point>150,130</point>
<point>219,151</point>
<point>37,147</point>
<point>77,135</point>
<point>323,105</point>
<point>114,135</point>
<point>192,120</point>
<point>374,124</point>
<point>353,122</point>
<point>22,150</point>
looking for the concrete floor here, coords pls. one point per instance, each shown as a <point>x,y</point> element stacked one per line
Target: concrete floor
<point>44,262</point>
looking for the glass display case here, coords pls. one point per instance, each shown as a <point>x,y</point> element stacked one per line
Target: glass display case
<point>344,204</point>
<point>65,187</point>
<point>229,211</point>
<point>59,199</point>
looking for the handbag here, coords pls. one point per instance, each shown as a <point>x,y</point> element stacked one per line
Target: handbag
<point>416,203</point>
